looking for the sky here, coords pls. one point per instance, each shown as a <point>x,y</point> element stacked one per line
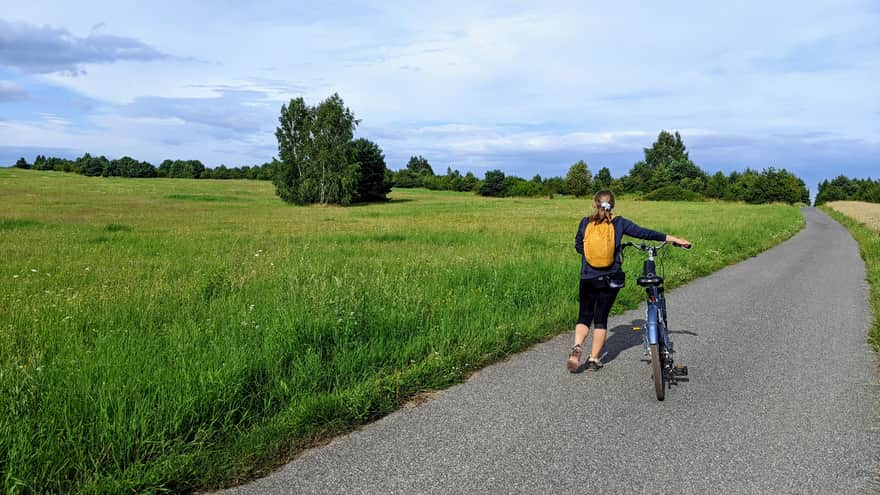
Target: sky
<point>525,87</point>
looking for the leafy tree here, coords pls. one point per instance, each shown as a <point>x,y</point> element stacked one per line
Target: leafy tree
<point>673,193</point>
<point>181,169</point>
<point>667,149</point>
<point>220,172</point>
<point>470,182</point>
<point>91,166</point>
<point>844,188</point>
<point>554,185</point>
<point>603,179</point>
<point>41,163</point>
<point>313,144</point>
<point>493,184</point>
<point>295,180</point>
<point>419,165</point>
<point>263,172</point>
<point>769,185</point>
<point>22,163</point>
<point>332,132</point>
<point>371,183</point>
<point>666,162</point>
<point>434,182</point>
<point>58,164</point>
<point>578,181</point>
<point>695,184</point>
<point>745,187</point>
<point>717,186</point>
<point>129,167</point>
<point>522,187</point>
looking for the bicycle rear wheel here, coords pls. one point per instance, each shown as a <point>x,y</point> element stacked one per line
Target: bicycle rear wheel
<point>657,371</point>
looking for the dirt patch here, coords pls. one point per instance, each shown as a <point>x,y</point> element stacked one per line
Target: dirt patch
<point>867,213</point>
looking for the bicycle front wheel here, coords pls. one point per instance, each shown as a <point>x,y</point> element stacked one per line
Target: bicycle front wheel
<point>657,371</point>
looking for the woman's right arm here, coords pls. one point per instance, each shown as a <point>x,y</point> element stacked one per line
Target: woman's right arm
<point>579,237</point>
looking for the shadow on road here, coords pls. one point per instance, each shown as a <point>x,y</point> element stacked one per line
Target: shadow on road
<point>623,337</point>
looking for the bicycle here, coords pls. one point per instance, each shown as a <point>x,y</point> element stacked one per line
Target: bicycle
<point>656,339</point>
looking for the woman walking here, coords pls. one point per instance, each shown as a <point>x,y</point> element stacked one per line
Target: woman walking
<point>598,241</point>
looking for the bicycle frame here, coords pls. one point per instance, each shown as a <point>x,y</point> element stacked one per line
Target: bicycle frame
<point>656,312</point>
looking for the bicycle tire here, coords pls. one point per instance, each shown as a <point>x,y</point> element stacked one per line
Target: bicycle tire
<point>657,372</point>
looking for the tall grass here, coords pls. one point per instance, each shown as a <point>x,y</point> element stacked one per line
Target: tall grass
<point>152,339</point>
<point>868,239</point>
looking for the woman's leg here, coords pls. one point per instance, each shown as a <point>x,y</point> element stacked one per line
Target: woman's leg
<point>604,301</point>
<point>587,298</point>
<point>598,342</point>
<point>580,333</point>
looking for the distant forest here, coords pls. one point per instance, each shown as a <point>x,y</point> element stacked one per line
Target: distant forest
<point>844,188</point>
<point>666,174</point>
<point>100,166</point>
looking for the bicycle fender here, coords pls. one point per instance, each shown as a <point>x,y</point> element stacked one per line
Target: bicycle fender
<point>652,324</point>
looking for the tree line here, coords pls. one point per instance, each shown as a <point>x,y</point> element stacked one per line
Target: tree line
<point>842,188</point>
<point>666,173</point>
<point>101,166</point>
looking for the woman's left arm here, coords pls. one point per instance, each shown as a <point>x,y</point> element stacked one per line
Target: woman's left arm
<point>633,230</point>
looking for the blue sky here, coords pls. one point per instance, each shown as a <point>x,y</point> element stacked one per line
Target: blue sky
<point>527,87</point>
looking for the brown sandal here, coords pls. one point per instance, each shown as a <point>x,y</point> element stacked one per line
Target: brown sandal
<point>574,358</point>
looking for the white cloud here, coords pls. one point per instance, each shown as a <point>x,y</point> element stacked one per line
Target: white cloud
<point>45,49</point>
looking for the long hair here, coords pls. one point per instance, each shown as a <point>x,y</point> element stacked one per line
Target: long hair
<point>601,214</point>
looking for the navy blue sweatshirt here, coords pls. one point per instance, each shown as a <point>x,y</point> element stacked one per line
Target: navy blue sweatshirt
<point>621,226</point>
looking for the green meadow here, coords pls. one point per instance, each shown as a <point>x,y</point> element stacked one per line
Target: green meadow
<point>171,335</point>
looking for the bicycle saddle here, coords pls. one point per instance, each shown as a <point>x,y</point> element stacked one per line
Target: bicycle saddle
<point>646,281</point>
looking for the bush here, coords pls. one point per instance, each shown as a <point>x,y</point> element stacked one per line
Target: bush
<point>494,184</point>
<point>673,193</point>
<point>525,188</point>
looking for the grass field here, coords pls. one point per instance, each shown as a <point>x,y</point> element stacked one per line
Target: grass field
<point>161,334</point>
<point>863,222</point>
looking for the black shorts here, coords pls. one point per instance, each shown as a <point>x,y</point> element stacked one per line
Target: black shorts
<point>595,304</point>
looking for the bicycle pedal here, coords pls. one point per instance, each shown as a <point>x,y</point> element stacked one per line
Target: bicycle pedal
<point>680,370</point>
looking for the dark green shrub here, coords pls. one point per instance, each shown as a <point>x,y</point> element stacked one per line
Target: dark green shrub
<point>673,193</point>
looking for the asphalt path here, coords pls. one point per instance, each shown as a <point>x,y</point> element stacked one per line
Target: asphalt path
<point>782,397</point>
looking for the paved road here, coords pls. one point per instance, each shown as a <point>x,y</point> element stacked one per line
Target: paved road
<point>782,398</point>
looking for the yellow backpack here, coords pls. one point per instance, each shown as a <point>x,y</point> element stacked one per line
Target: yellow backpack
<point>599,244</point>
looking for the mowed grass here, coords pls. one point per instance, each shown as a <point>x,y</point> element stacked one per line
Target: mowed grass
<point>152,340</point>
<point>863,222</point>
